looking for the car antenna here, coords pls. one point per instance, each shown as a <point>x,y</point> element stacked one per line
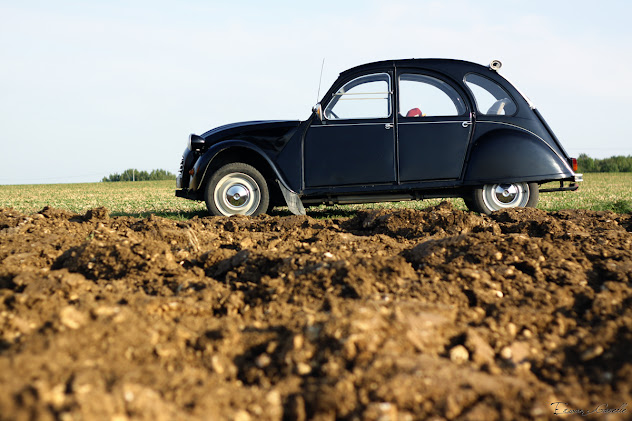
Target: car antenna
<point>322,66</point>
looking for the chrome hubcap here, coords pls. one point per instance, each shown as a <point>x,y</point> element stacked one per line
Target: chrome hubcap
<point>237,194</point>
<point>503,196</point>
<point>506,193</point>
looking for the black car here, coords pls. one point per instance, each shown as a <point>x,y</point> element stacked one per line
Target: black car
<point>386,131</point>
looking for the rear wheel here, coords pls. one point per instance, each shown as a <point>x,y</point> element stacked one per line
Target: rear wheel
<point>237,189</point>
<point>493,197</point>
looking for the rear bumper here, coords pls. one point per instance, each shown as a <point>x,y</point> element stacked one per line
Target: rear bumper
<point>572,186</point>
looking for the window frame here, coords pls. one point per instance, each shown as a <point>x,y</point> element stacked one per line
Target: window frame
<point>337,97</point>
<point>463,102</point>
<point>507,95</point>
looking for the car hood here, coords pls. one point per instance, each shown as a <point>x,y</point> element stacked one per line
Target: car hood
<point>252,130</point>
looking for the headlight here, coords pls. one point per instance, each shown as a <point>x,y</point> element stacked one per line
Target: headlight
<point>196,142</point>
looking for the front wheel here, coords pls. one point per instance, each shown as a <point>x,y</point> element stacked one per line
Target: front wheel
<point>237,189</point>
<point>493,197</point>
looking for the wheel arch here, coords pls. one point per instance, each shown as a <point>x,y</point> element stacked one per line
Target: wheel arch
<point>237,151</point>
<point>512,155</point>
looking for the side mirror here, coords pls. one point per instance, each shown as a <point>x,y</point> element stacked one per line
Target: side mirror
<point>318,110</point>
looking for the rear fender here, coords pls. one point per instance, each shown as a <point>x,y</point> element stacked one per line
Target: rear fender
<point>507,155</point>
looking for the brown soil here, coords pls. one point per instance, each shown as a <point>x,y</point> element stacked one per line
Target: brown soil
<point>389,315</point>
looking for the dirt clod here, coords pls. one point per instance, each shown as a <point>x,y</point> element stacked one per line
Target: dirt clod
<point>389,315</point>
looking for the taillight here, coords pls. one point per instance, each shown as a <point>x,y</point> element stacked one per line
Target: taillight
<point>573,162</point>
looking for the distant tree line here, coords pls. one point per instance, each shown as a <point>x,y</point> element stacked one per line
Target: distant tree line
<point>133,174</point>
<point>613,164</point>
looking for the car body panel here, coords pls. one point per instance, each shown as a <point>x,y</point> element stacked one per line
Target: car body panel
<point>348,154</point>
<point>512,155</point>
<point>432,150</point>
<point>204,165</point>
<point>266,134</point>
<point>266,138</point>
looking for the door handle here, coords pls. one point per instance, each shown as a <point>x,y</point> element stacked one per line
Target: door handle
<point>466,123</point>
<point>388,126</point>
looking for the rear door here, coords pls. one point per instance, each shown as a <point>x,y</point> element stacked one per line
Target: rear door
<point>433,127</point>
<point>354,144</point>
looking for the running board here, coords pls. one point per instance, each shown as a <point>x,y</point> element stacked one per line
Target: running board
<point>348,200</point>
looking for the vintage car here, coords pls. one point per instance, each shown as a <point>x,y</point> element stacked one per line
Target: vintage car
<point>386,131</point>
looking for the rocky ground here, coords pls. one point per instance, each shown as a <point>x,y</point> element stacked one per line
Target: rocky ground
<point>388,315</point>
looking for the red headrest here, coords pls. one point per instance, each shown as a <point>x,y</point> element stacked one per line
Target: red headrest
<point>415,112</point>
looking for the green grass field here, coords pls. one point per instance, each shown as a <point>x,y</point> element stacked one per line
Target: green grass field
<point>599,191</point>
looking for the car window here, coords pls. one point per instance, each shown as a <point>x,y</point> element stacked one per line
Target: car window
<point>425,96</point>
<point>364,97</point>
<point>491,98</point>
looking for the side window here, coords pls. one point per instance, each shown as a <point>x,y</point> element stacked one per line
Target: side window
<point>425,96</point>
<point>491,98</point>
<point>364,97</point>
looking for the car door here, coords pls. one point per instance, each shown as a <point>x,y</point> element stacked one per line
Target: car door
<point>433,128</point>
<point>354,144</point>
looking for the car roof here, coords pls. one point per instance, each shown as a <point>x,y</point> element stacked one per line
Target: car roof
<point>444,64</point>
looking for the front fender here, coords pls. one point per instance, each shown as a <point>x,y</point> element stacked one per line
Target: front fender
<point>202,165</point>
<point>513,156</point>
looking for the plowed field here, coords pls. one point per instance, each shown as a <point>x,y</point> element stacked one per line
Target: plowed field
<point>388,315</point>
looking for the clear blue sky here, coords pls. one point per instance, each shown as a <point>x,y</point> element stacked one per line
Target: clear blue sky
<point>92,88</point>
